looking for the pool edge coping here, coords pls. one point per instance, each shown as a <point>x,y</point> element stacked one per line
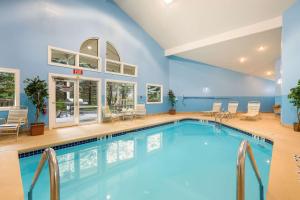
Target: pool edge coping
<point>84,140</point>
<point>19,190</point>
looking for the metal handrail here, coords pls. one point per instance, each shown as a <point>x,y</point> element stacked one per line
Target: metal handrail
<point>219,116</point>
<point>240,167</point>
<point>50,155</point>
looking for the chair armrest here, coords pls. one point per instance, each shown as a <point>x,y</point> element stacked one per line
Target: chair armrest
<point>21,120</point>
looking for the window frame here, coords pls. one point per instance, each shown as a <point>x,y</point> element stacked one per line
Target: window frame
<point>113,46</point>
<point>161,96</point>
<point>131,65</point>
<point>118,62</point>
<point>77,55</point>
<point>122,68</point>
<point>113,61</point>
<point>98,45</point>
<point>121,81</point>
<point>16,73</point>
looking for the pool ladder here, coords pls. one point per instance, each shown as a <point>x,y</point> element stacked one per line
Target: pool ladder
<point>220,117</point>
<point>240,168</point>
<point>50,155</point>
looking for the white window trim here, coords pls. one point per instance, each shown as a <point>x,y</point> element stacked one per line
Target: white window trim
<point>131,65</point>
<point>114,61</point>
<point>77,54</point>
<point>161,97</point>
<point>122,68</point>
<point>121,81</point>
<point>17,86</point>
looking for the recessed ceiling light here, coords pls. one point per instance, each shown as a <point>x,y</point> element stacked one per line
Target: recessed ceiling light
<point>168,1</point>
<point>89,47</point>
<point>243,59</point>
<point>269,73</point>
<point>261,48</point>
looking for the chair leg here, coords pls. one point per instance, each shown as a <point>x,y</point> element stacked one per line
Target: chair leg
<point>18,129</point>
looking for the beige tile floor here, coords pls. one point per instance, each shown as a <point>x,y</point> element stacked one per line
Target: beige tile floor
<point>284,183</point>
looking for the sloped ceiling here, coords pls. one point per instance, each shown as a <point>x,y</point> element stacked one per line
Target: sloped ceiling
<point>187,21</point>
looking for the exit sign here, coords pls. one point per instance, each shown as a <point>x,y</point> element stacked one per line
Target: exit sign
<point>78,71</point>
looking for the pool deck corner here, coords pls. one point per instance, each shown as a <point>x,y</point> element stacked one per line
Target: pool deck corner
<point>10,178</point>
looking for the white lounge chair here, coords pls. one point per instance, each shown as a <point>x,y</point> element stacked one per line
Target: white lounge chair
<point>217,106</point>
<point>127,113</point>
<point>107,114</point>
<point>16,118</point>
<point>232,109</point>
<point>140,110</point>
<point>253,111</point>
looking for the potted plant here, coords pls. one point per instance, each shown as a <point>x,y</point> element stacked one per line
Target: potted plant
<point>172,100</point>
<point>294,97</point>
<point>37,92</point>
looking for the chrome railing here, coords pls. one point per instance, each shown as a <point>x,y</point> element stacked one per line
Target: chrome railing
<point>240,167</point>
<point>219,116</point>
<point>50,155</point>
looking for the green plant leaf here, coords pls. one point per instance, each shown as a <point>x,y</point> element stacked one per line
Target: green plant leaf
<point>294,97</point>
<point>37,92</point>
<point>172,98</point>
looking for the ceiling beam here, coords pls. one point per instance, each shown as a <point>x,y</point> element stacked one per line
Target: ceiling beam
<point>233,34</point>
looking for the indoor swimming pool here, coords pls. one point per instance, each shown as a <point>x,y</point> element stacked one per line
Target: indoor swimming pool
<point>189,159</point>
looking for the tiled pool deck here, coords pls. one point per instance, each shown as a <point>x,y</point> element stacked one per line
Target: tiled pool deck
<point>284,182</point>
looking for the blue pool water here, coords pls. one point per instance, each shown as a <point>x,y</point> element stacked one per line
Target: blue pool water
<point>188,160</point>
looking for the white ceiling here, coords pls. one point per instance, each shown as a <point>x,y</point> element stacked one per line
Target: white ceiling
<point>227,54</point>
<point>187,21</point>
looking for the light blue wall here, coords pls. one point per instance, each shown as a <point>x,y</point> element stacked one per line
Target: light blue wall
<point>278,72</point>
<point>28,27</point>
<point>290,59</point>
<point>189,79</point>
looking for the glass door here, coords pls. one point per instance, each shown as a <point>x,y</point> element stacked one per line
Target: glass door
<point>65,102</point>
<point>88,101</point>
<point>76,101</point>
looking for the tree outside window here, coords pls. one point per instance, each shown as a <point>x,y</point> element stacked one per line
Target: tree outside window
<point>120,95</point>
<point>7,89</point>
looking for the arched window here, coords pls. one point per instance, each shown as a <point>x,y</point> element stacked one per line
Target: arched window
<point>87,58</point>
<point>89,54</point>
<point>90,47</point>
<point>112,53</point>
<point>114,64</point>
<point>113,61</point>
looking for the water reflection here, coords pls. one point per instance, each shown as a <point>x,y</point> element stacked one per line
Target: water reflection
<point>66,166</point>
<point>97,160</point>
<point>154,142</point>
<point>120,150</point>
<point>88,162</point>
